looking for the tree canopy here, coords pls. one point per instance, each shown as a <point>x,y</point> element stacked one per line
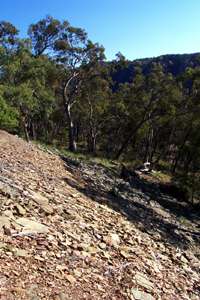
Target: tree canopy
<point>57,87</point>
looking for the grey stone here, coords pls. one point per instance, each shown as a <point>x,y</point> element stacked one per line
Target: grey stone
<point>20,209</point>
<point>143,281</point>
<point>43,202</point>
<point>138,295</point>
<point>20,252</point>
<point>4,221</point>
<point>32,226</point>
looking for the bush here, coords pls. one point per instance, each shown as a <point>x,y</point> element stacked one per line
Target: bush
<point>8,116</point>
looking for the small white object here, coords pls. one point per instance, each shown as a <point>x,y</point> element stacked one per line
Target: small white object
<point>146,167</point>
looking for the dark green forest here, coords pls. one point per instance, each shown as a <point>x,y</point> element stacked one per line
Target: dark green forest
<point>57,87</point>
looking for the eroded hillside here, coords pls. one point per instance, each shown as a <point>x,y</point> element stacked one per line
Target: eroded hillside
<point>72,231</point>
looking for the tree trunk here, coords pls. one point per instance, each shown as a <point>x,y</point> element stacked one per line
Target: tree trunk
<point>24,125</point>
<point>146,151</point>
<point>126,143</point>
<point>124,146</point>
<point>130,137</point>
<point>34,136</point>
<point>69,100</point>
<point>179,154</point>
<point>77,131</point>
<point>92,134</point>
<point>26,132</point>
<point>92,143</point>
<point>187,163</point>
<point>72,140</point>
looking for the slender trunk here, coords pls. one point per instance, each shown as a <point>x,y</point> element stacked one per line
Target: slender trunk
<point>193,189</point>
<point>175,163</point>
<point>55,131</point>
<point>71,136</point>
<point>146,152</point>
<point>129,138</point>
<point>178,156</point>
<point>92,129</point>
<point>187,163</point>
<point>72,140</point>
<point>33,131</point>
<point>77,131</point>
<point>92,143</point>
<point>123,146</point>
<point>69,100</point>
<point>153,152</point>
<point>26,132</point>
<point>24,125</point>
<point>146,117</point>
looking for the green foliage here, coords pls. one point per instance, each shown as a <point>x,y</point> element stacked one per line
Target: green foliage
<point>8,116</point>
<point>8,35</point>
<point>56,87</point>
<point>190,185</point>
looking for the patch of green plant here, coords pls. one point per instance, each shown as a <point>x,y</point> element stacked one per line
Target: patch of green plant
<point>164,166</point>
<point>163,177</point>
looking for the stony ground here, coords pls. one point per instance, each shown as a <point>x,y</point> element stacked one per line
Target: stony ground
<point>70,230</point>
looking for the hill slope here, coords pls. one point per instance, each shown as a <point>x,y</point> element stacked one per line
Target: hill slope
<point>175,64</point>
<point>64,233</point>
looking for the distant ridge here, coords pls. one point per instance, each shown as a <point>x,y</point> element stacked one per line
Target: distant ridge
<point>175,64</point>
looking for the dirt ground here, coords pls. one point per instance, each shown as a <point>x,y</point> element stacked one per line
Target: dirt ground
<point>61,238</point>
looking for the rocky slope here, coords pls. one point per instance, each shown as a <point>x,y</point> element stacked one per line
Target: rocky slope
<point>71,230</point>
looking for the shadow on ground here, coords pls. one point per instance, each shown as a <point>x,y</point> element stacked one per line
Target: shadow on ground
<point>144,217</point>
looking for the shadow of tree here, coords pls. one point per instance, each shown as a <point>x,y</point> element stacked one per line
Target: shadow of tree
<point>144,217</point>
<point>167,198</point>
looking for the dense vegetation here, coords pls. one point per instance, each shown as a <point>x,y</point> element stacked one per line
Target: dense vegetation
<point>56,87</point>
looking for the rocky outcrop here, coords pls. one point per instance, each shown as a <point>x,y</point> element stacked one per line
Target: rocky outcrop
<point>77,231</point>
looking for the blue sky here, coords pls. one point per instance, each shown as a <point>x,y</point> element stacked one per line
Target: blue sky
<point>137,28</point>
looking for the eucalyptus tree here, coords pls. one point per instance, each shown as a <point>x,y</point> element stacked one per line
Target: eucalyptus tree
<point>94,98</point>
<point>70,48</point>
<point>25,85</point>
<point>145,100</point>
<point>8,35</point>
<point>75,54</point>
<point>8,115</point>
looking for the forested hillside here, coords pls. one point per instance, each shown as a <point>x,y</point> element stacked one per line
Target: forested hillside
<point>73,230</point>
<point>57,87</point>
<point>176,64</point>
<point>102,199</point>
